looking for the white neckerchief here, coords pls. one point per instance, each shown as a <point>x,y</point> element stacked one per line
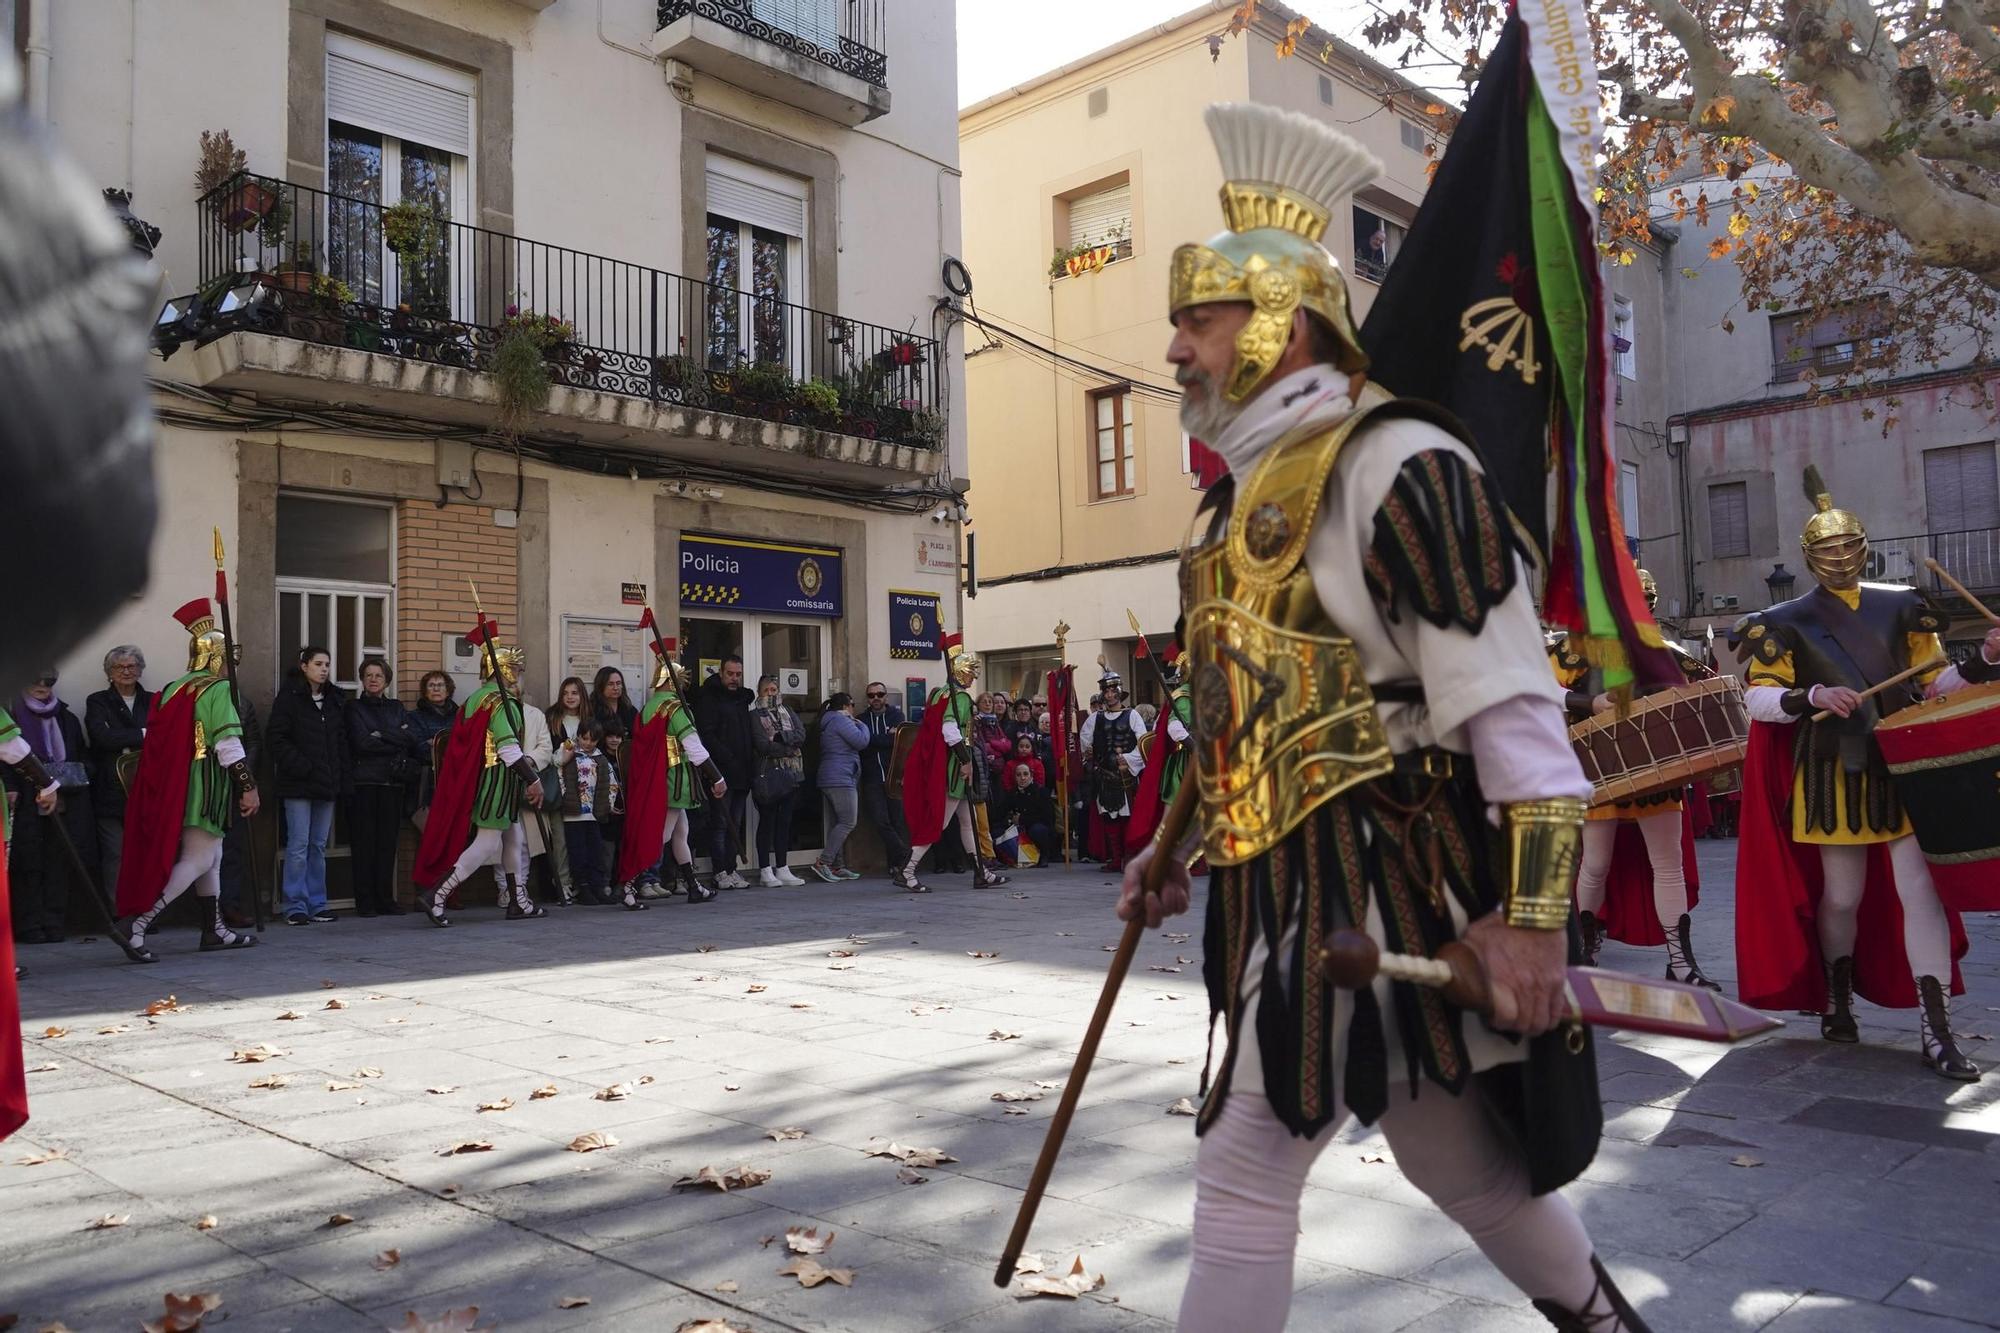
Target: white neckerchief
<point>1315,396</point>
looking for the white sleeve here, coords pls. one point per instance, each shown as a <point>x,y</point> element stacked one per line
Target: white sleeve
<point>1765,703</point>
<point>1175,730</point>
<point>1139,727</point>
<point>1521,746</point>
<point>696,751</point>
<point>14,751</point>
<point>1089,729</point>
<point>510,753</point>
<point>1135,761</point>
<point>952,735</point>
<point>230,751</point>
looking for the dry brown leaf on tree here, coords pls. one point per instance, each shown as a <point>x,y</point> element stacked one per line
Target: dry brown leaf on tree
<point>470,1145</point>
<point>543,1093</point>
<point>572,1302</point>
<point>336,1003</point>
<point>43,1158</point>
<point>504,1104</point>
<point>183,1313</point>
<point>206,1222</point>
<point>107,1221</point>
<point>810,1274</point>
<point>451,1321</point>
<point>271,1081</point>
<point>807,1240</point>
<point>1070,1285</point>
<point>388,1259</point>
<point>734,1178</point>
<point>1001,1034</point>
<point>339,1219</point>
<point>258,1054</point>
<point>170,1005</point>
<point>592,1142</point>
<point>1183,1107</point>
<point>787,1132</point>
<point>1019,1095</point>
<point>905,1154</point>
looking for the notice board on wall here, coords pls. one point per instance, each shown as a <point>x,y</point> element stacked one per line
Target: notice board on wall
<point>589,643</point>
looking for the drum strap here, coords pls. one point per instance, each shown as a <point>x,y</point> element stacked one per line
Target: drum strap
<point>1868,657</point>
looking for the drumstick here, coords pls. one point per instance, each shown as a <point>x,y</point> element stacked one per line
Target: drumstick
<point>1897,679</point>
<point>1961,590</point>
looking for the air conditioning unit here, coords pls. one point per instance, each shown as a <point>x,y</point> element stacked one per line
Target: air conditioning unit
<point>1727,603</point>
<point>1889,566</point>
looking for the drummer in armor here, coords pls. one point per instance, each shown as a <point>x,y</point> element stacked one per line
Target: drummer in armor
<point>1111,738</point>
<point>1659,819</point>
<point>1821,653</point>
<point>1368,681</point>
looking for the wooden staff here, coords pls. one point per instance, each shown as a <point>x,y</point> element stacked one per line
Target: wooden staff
<point>1062,760</point>
<point>1173,827</point>
<point>1962,591</point>
<point>1897,679</point>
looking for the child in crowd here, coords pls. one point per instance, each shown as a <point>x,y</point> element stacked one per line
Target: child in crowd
<point>592,796</point>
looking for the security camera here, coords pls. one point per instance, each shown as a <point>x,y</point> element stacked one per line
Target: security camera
<point>942,514</point>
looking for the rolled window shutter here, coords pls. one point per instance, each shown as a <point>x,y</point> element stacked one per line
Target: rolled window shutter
<point>399,105</point>
<point>758,205</point>
<point>1094,217</point>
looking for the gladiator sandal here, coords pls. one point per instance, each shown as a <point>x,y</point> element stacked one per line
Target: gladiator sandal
<point>982,878</point>
<point>1837,1023</point>
<point>1592,931</point>
<point>1941,1052</point>
<point>217,934</point>
<point>629,896</point>
<point>697,892</point>
<point>1620,1318</point>
<point>435,904</point>
<point>1681,965</point>
<point>131,936</point>
<point>521,905</point>
<point>906,879</point>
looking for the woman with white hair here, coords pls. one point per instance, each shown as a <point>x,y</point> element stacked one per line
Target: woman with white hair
<point>114,720</point>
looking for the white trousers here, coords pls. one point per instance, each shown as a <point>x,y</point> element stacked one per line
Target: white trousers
<point>674,832</point>
<point>959,808</point>
<point>1662,833</point>
<point>1926,931</point>
<point>1250,1172</point>
<point>505,848</point>
<point>199,866</point>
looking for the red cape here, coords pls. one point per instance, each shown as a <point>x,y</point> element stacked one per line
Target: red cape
<point>449,827</point>
<point>1700,818</point>
<point>924,775</point>
<point>156,808</point>
<point>645,800</point>
<point>1778,883</point>
<point>13,1075</point>
<point>1147,808</point>
<point>1629,915</point>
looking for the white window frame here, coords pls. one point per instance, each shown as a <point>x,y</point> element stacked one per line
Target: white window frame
<point>797,250</point>
<point>1397,242</point>
<point>1628,497</point>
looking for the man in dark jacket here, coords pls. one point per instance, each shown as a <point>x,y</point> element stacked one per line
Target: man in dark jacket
<point>722,716</point>
<point>307,736</point>
<point>886,816</point>
<point>237,911</point>
<point>114,719</point>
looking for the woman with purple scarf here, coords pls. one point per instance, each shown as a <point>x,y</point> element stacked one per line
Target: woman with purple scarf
<point>42,874</point>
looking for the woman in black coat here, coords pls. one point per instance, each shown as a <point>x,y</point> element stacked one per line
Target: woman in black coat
<point>43,876</point>
<point>384,750</point>
<point>115,719</point>
<point>307,739</point>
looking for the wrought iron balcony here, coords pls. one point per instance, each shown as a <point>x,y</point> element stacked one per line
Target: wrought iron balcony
<point>302,263</point>
<point>843,35</point>
<point>1972,557</point>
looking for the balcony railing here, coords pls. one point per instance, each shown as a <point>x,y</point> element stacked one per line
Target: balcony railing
<point>846,35</point>
<point>407,281</point>
<point>1972,557</point>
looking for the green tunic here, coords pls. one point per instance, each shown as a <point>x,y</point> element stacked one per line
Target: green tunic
<point>1180,708</point>
<point>211,795</point>
<point>10,730</point>
<point>683,792</point>
<point>958,709</point>
<point>497,803</point>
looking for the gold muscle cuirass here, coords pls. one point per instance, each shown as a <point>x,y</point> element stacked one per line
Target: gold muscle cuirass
<point>1264,655</point>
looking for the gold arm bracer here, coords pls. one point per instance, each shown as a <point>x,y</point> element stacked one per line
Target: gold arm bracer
<point>1544,842</point>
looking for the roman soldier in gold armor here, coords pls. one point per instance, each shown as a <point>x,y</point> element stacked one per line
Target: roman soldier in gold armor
<point>1660,820</point>
<point>1368,681</point>
<point>1824,834</point>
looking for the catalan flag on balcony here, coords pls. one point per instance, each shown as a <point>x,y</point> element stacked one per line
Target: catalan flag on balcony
<point>1494,308</point>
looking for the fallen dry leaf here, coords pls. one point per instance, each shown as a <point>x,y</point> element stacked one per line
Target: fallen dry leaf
<point>470,1145</point>
<point>593,1141</point>
<point>339,1219</point>
<point>1178,936</point>
<point>48,1068</point>
<point>1019,1095</point>
<point>1021,896</point>
<point>1070,1286</point>
<point>756,988</point>
<point>1373,1159</point>
<point>116,1029</point>
<point>709,1326</point>
<point>810,1274</point>
<point>909,1177</point>
<point>707,978</point>
<point>980,953</point>
<point>258,1054</point>
<point>1000,1034</point>
<point>802,1004</point>
<point>1161,967</point>
<point>1182,961</point>
<point>1107,948</point>
<point>504,1104</point>
<point>50,1034</point>
<point>732,1087</point>
<point>1013,1110</point>
<point>922,1009</point>
<point>656,1041</point>
<point>572,1302</point>
<point>765,1242</point>
<point>335,1085</point>
<point>1182,1107</point>
<point>1744,1159</point>
<point>206,1222</point>
<point>271,1081</point>
<point>169,1005</point>
<point>734,1178</point>
<point>1135,1022</point>
<point>366,1071</point>
<point>1030,1263</point>
<point>325,984</point>
<point>543,1093</point>
<point>1049,1084</point>
<point>336,1003</point>
<point>840,967</point>
<point>451,1321</point>
<point>840,953</point>
<point>1164,996</point>
<point>184,1313</point>
<point>728,1287</point>
<point>788,1132</point>
<point>1177,1060</point>
<point>617,1092</point>
<point>449,1191</point>
<point>107,1221</point>
<point>396,1020</point>
<point>1065,934</point>
<point>442,1090</point>
<point>42,1158</point>
<point>290,1016</point>
<point>807,1240</point>
<point>388,1259</point>
<point>704,948</point>
<point>908,1156</point>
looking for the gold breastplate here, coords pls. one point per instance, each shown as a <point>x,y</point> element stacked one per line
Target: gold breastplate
<point>1284,720</point>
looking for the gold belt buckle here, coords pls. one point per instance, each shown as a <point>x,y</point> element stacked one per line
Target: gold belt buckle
<point>1437,764</point>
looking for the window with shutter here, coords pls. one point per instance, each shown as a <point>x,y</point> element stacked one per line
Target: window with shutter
<point>756,264</point>
<point>1111,425</point>
<point>1729,520</point>
<point>1962,509</point>
<point>1851,334</point>
<point>1101,217</point>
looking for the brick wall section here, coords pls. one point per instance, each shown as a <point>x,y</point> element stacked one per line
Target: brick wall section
<point>437,550</point>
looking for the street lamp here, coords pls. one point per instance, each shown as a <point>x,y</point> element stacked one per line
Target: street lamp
<point>1780,582</point>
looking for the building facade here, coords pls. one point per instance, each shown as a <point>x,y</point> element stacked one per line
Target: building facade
<point>721,226</point>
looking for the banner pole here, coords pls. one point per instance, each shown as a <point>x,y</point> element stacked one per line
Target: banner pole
<point>1062,760</point>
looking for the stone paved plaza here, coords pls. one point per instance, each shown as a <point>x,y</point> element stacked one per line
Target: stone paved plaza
<point>1788,1185</point>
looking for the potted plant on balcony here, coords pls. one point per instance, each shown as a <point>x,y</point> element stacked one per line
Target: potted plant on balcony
<point>553,335</point>
<point>412,230</point>
<point>762,387</point>
<point>296,273</point>
<point>820,401</point>
<point>223,162</point>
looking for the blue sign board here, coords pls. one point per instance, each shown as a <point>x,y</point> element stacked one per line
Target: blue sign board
<point>743,574</point>
<point>914,628</point>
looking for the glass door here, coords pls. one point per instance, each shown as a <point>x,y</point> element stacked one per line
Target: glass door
<point>795,652</point>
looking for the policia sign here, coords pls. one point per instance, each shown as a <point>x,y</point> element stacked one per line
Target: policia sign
<point>743,574</point>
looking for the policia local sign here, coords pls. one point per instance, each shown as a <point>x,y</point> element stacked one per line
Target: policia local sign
<point>744,574</point>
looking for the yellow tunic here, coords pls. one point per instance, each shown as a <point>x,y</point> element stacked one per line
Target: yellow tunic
<point>1922,647</point>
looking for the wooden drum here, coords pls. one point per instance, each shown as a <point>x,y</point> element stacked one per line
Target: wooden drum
<point>1666,741</point>
<point>1945,753</point>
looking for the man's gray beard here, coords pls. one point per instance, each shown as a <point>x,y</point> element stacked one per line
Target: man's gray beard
<point>1206,419</point>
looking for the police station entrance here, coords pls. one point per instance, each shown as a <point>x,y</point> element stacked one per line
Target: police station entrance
<point>774,605</point>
